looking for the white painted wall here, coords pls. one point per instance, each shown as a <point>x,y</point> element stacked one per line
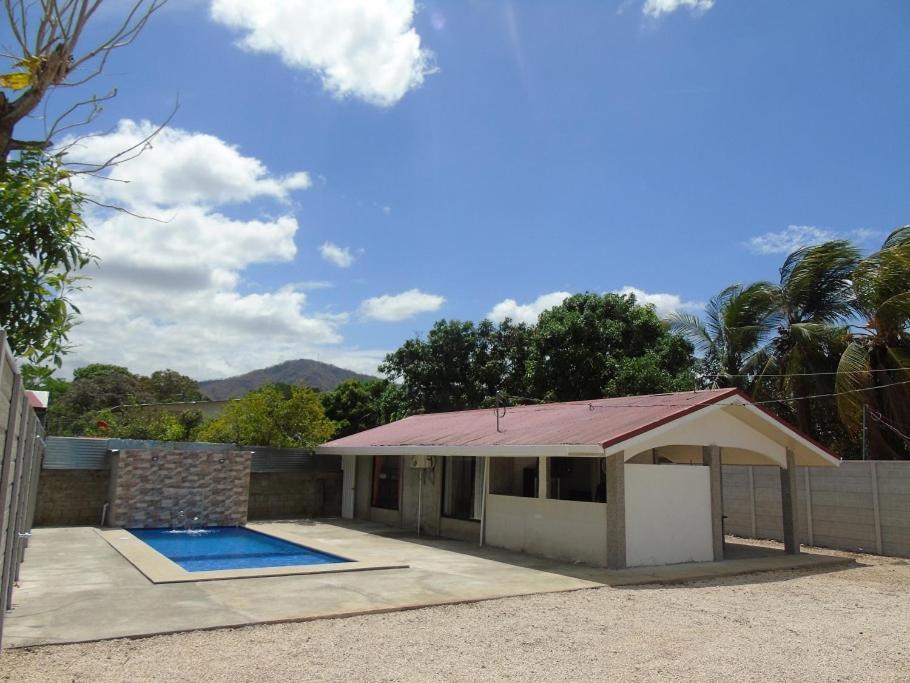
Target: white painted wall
<point>559,529</point>
<point>668,514</point>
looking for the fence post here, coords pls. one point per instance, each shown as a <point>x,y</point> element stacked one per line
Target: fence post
<point>810,532</point>
<point>876,512</point>
<point>752,503</point>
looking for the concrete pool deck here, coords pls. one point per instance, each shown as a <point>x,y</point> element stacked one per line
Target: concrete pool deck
<point>75,587</point>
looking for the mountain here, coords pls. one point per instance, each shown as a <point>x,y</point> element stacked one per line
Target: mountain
<point>302,372</point>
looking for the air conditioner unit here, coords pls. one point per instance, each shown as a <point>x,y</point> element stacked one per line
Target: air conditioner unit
<point>422,462</point>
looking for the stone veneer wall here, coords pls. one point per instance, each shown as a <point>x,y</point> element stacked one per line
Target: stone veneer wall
<point>149,487</point>
<point>71,497</point>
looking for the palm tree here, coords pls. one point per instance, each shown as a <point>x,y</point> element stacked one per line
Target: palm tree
<point>735,323</point>
<point>875,367</point>
<point>809,307</point>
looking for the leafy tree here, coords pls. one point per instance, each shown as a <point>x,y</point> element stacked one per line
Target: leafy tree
<point>605,345</point>
<point>94,388</point>
<point>459,365</point>
<point>137,423</point>
<point>265,417</point>
<point>42,249</point>
<point>876,363</point>
<point>169,386</point>
<point>735,324</point>
<point>355,405</point>
<point>99,386</point>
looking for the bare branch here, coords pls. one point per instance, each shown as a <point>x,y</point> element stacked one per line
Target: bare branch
<point>51,31</point>
<point>124,155</point>
<point>120,209</point>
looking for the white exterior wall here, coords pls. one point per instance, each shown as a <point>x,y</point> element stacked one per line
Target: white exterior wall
<point>558,529</point>
<point>668,514</point>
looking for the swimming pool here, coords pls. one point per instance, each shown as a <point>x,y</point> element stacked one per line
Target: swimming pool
<point>230,548</point>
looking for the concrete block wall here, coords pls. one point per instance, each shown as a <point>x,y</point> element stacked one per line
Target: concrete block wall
<point>290,495</point>
<point>859,506</point>
<point>71,497</point>
<point>148,487</point>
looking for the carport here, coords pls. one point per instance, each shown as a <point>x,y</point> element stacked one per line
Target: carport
<point>622,482</point>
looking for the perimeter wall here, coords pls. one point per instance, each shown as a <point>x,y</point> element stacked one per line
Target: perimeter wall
<point>860,506</point>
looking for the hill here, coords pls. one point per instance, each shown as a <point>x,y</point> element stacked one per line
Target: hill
<point>302,372</point>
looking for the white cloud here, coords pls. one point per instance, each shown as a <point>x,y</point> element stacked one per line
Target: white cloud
<point>526,313</point>
<point>795,236</point>
<point>663,303</point>
<point>340,256</point>
<point>173,294</point>
<point>178,168</point>
<point>363,48</point>
<point>657,8</point>
<point>392,308</point>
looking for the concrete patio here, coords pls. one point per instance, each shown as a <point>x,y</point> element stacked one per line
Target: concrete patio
<point>75,587</point>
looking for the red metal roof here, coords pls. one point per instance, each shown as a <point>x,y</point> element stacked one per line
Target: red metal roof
<point>600,422</point>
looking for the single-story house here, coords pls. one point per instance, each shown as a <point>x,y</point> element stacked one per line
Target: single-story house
<point>616,482</point>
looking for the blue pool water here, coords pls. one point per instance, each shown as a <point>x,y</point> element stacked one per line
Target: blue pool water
<point>229,548</point>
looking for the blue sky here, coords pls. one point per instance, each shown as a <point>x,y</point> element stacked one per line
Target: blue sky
<point>471,157</point>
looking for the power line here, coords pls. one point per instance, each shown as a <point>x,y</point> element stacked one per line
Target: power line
<point>590,405</point>
<point>805,374</point>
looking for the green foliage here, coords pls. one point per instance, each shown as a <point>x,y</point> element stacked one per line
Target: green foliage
<point>98,386</point>
<point>266,417</point>
<point>138,423</point>
<point>169,386</point>
<point>355,406</point>
<point>42,249</point>
<point>459,365</point>
<point>605,345</point>
<point>877,359</point>
<point>735,322</point>
<point>588,347</point>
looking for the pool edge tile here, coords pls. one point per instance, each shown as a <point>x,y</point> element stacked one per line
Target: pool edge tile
<point>159,569</point>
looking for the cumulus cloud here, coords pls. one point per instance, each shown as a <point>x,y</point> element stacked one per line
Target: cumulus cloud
<point>795,236</point>
<point>178,167</point>
<point>392,308</point>
<point>173,293</point>
<point>663,303</point>
<point>340,256</point>
<point>657,8</point>
<point>362,48</point>
<point>526,313</point>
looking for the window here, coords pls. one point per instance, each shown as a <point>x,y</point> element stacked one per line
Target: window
<point>386,477</point>
<point>462,487</point>
<point>578,479</point>
<point>514,477</point>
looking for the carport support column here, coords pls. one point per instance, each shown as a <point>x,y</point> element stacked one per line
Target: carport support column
<point>616,511</point>
<point>711,457</point>
<point>789,500</point>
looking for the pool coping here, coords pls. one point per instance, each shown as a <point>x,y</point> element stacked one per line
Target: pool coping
<point>159,569</point>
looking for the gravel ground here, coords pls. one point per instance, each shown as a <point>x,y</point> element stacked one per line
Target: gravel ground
<point>852,624</point>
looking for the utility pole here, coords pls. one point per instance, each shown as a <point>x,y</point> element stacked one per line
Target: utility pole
<point>864,431</point>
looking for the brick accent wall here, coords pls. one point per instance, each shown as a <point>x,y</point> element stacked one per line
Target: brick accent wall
<point>149,487</point>
<point>291,495</point>
<point>71,497</point>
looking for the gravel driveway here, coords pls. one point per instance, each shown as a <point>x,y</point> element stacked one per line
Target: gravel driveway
<point>852,624</point>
